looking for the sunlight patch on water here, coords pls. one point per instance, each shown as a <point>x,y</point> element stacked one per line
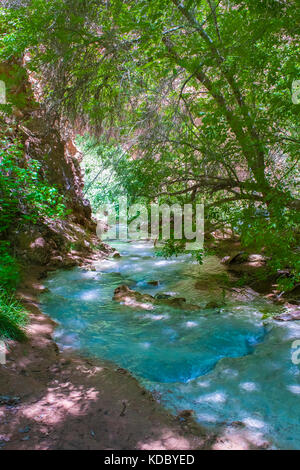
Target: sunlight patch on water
<point>249,386</point>
<point>191,324</point>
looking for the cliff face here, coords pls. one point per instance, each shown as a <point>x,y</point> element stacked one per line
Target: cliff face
<point>49,242</point>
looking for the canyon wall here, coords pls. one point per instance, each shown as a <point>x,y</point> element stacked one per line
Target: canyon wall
<point>60,242</point>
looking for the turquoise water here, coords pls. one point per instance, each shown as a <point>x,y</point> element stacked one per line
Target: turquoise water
<point>225,364</point>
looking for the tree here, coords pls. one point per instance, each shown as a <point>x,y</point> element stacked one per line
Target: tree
<point>200,91</point>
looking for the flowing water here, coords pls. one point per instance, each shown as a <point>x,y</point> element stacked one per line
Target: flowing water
<point>225,364</point>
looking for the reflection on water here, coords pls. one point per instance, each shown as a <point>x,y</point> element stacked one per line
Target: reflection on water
<point>224,364</point>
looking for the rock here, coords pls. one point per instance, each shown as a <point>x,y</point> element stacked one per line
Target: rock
<point>53,146</point>
<point>56,260</point>
<point>291,315</point>
<point>162,296</point>
<point>243,263</point>
<point>69,262</point>
<point>185,414</point>
<point>133,298</point>
<point>9,400</point>
<point>24,430</point>
<point>41,289</point>
<point>237,424</point>
<point>177,301</point>
<point>256,258</point>
<point>236,258</point>
<point>153,283</point>
<point>39,251</point>
<point>213,305</point>
<point>226,259</point>
<point>294,295</point>
<point>116,255</point>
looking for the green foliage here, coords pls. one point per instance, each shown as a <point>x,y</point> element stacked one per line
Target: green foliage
<point>199,93</point>
<point>24,197</point>
<point>176,248</point>
<point>13,317</point>
<point>9,269</point>
<point>99,164</point>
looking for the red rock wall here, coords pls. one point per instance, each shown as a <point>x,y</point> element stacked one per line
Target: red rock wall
<point>49,240</point>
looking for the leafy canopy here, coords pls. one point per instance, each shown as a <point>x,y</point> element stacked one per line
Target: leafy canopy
<point>197,92</point>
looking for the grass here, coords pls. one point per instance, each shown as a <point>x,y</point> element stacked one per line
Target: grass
<point>13,317</point>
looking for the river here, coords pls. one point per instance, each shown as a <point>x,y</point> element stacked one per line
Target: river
<point>226,364</point>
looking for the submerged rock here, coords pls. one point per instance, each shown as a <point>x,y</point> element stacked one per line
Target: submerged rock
<point>174,301</point>
<point>289,316</point>
<point>178,302</point>
<point>243,294</point>
<point>186,414</point>
<point>214,304</point>
<point>245,263</point>
<point>9,400</point>
<point>236,258</point>
<point>131,298</point>
<point>293,296</point>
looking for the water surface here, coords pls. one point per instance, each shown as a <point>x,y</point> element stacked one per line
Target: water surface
<point>225,364</point>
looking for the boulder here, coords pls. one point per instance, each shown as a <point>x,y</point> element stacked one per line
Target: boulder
<point>290,315</point>
<point>174,301</point>
<point>160,296</point>
<point>244,294</point>
<point>131,298</point>
<point>153,283</point>
<point>186,414</point>
<point>39,251</point>
<point>236,258</point>
<point>293,296</point>
<point>244,263</point>
<point>213,304</point>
